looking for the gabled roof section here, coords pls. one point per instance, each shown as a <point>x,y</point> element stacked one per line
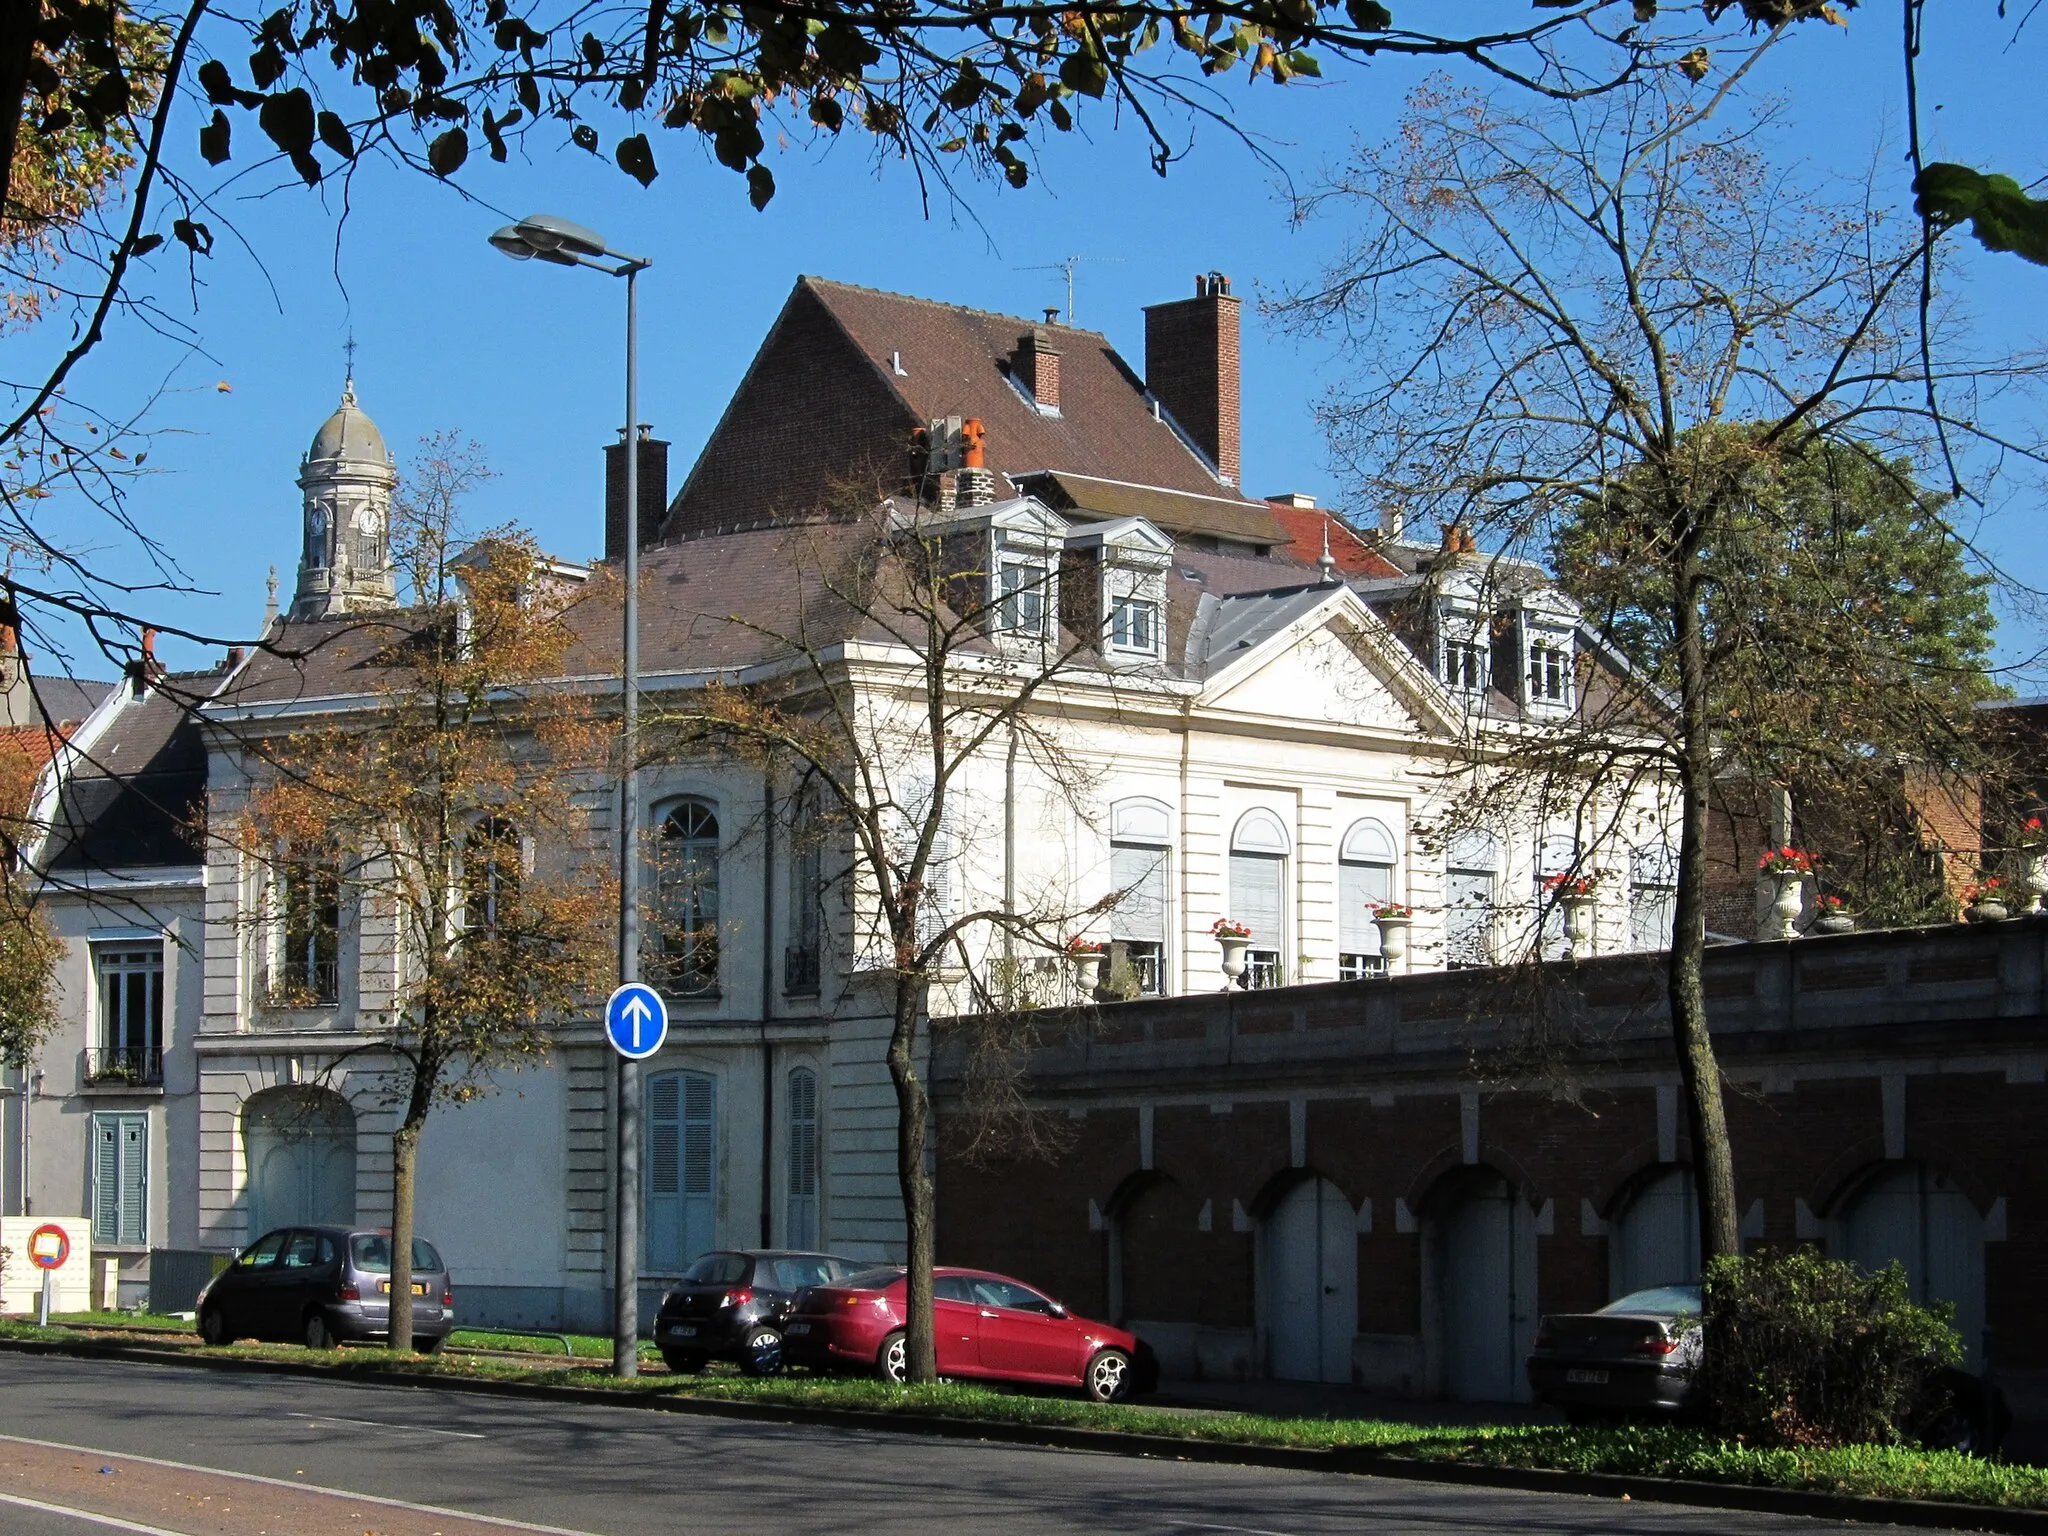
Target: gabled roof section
<point>1304,529</point>
<point>132,788</point>
<point>846,374</point>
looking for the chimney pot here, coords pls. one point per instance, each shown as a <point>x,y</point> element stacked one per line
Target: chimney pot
<point>973,444</point>
<point>1052,314</point>
<point>1192,367</point>
<point>653,491</point>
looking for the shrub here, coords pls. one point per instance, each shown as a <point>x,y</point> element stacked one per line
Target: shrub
<point>1804,1350</point>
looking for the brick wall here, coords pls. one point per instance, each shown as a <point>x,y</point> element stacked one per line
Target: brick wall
<point>1192,365</point>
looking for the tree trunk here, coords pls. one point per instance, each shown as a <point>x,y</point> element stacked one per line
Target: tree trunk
<point>913,1129</point>
<point>405,1153</point>
<point>18,23</point>
<point>1712,1160</point>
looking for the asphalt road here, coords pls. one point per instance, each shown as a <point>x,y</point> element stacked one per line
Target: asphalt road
<point>620,1472</point>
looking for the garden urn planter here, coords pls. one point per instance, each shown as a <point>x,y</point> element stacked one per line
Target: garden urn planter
<point>1578,924</point>
<point>1087,969</point>
<point>1787,891</point>
<point>1394,942</point>
<point>1234,950</point>
<point>2034,880</point>
<point>1988,909</point>
<point>1836,921</point>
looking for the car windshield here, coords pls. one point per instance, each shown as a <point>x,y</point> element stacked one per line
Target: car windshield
<point>371,1253</point>
<point>1660,1301</point>
<point>880,1278</point>
<point>717,1269</point>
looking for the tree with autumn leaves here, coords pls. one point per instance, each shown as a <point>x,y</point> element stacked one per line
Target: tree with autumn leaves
<point>444,809</point>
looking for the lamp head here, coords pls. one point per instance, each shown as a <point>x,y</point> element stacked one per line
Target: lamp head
<point>510,242</point>
<point>547,234</point>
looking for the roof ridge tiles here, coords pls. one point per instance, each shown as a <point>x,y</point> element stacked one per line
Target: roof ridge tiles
<point>966,309</point>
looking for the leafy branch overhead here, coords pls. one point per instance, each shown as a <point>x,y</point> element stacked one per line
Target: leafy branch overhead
<point>1999,213</point>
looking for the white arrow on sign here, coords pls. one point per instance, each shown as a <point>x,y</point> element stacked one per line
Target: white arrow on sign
<point>638,1013</point>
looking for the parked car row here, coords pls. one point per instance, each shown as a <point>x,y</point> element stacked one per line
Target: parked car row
<point>766,1309</point>
<point>322,1285</point>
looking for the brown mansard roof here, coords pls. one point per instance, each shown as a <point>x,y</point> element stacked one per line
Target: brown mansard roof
<point>824,418</point>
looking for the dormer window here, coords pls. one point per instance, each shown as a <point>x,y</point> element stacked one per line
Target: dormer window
<point>1134,625</point>
<point>1550,671</point>
<point>1462,666</point>
<point>1464,652</point>
<point>1020,598</point>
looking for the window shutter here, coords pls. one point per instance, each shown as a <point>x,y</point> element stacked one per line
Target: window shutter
<point>106,1179</point>
<point>134,1179</point>
<point>700,1168</point>
<point>663,1216</point>
<point>1255,896</point>
<point>801,1220</point>
<point>1140,873</point>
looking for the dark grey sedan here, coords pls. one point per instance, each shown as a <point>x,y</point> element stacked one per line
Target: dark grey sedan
<point>1633,1355</point>
<point>322,1285</point>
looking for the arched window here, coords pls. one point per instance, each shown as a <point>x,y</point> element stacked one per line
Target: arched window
<point>1652,896</point>
<point>1365,878</point>
<point>800,1220</point>
<point>1258,893</point>
<point>685,937</point>
<point>682,1168</point>
<point>493,861</point>
<point>802,956</point>
<point>1140,830</point>
<point>1471,870</point>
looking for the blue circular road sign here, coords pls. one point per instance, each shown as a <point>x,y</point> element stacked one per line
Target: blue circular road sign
<point>637,1021</point>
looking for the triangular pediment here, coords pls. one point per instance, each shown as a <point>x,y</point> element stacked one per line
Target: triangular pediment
<point>1340,666</point>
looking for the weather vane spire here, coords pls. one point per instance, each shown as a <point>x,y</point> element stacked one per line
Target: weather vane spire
<point>348,387</point>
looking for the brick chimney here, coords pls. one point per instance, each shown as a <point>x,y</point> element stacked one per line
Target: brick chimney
<point>653,492</point>
<point>1191,366</point>
<point>1036,365</point>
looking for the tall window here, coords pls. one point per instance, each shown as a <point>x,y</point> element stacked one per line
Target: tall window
<point>1462,666</point>
<point>131,1008</point>
<point>492,864</point>
<point>686,887</point>
<point>682,1168</point>
<point>1472,869</point>
<point>1258,887</point>
<point>1365,878</point>
<point>1020,597</point>
<point>308,968</point>
<point>1652,896</point>
<point>120,1179</point>
<point>802,958</point>
<point>800,1223</point>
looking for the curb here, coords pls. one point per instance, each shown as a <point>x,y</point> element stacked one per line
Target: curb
<point>1351,1460</point>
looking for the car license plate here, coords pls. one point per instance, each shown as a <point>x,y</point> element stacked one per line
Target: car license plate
<point>682,1331</point>
<point>798,1328</point>
<point>419,1287</point>
<point>1586,1378</point>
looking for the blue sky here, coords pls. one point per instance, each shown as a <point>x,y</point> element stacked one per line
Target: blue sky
<point>525,359</point>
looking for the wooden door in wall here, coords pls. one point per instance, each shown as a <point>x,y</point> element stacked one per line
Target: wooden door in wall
<point>1487,1277</point>
<point>1917,1215</point>
<point>682,1169</point>
<point>1310,1283</point>
<point>1655,1239</point>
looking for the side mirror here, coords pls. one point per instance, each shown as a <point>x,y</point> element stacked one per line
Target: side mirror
<point>1055,1309</point>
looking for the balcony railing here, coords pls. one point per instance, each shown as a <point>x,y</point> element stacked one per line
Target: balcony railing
<point>142,1065</point>
<point>800,970</point>
<point>311,985</point>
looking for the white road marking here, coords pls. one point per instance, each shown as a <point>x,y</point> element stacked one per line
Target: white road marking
<point>1242,1530</point>
<point>91,1519</point>
<point>410,1429</point>
<point>282,1482</point>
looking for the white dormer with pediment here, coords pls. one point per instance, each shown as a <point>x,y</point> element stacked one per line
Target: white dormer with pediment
<point>1002,560</point>
<point>1461,634</point>
<point>1113,587</point>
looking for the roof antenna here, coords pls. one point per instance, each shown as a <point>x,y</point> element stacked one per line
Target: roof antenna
<point>1327,563</point>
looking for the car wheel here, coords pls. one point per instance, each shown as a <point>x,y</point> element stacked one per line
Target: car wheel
<point>761,1352</point>
<point>682,1362</point>
<point>892,1361</point>
<point>1109,1376</point>
<point>318,1334</point>
<point>213,1329</point>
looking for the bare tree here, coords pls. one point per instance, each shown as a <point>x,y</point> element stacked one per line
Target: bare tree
<point>445,803</point>
<point>1625,313</point>
<point>900,686</point>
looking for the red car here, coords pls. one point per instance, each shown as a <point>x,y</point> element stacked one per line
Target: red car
<point>988,1326</point>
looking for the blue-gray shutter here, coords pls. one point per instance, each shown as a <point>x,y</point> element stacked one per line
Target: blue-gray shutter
<point>120,1179</point>
<point>700,1163</point>
<point>1140,873</point>
<point>1255,895</point>
<point>663,1212</point>
<point>801,1221</point>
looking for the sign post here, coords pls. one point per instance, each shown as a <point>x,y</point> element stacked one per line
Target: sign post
<point>48,1247</point>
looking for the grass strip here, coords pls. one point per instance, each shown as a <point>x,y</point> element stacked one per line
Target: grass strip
<point>1634,1450</point>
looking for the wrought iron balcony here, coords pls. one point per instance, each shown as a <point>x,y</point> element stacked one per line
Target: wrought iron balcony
<point>142,1065</point>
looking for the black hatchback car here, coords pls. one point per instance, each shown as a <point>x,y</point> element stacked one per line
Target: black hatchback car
<point>731,1305</point>
<point>321,1285</point>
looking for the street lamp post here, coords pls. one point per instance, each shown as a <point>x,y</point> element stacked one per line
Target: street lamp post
<point>571,245</point>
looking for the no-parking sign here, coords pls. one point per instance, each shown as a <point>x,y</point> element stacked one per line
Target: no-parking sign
<point>48,1247</point>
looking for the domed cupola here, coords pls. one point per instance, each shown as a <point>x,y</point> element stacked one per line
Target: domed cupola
<point>347,478</point>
